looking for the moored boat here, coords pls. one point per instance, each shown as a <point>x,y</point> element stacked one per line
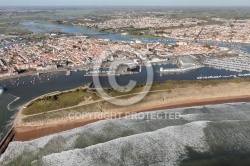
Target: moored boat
<point>1,90</point>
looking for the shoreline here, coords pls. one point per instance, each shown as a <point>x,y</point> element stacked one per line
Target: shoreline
<point>80,68</point>
<point>30,133</point>
<point>30,74</point>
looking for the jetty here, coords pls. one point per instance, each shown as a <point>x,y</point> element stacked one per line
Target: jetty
<point>178,70</point>
<point>6,140</point>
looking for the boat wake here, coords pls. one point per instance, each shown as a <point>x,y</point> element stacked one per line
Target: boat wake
<point>9,105</point>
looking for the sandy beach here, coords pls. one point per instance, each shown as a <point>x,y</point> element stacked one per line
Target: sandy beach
<point>187,97</point>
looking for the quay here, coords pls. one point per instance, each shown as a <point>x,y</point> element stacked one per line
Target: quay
<point>178,70</point>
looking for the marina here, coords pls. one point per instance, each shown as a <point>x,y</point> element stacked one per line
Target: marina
<point>236,64</point>
<point>216,77</point>
<point>224,76</point>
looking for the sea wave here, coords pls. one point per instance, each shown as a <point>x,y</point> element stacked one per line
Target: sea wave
<point>164,146</point>
<point>205,129</point>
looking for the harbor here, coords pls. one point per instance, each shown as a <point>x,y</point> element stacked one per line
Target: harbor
<point>235,64</point>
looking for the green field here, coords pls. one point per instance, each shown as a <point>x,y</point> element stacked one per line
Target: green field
<point>57,101</point>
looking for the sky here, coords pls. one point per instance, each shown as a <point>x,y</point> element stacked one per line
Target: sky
<point>124,3</point>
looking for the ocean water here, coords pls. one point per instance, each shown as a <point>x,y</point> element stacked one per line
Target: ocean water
<point>204,135</point>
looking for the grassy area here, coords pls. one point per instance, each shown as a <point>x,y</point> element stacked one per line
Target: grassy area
<point>58,101</point>
<point>173,84</point>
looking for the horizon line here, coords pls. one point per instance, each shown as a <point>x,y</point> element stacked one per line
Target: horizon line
<point>121,6</point>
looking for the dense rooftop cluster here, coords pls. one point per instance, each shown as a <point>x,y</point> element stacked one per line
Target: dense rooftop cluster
<point>237,31</point>
<point>79,51</point>
<point>145,22</point>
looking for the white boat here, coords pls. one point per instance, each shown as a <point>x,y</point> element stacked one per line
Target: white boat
<point>1,90</point>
